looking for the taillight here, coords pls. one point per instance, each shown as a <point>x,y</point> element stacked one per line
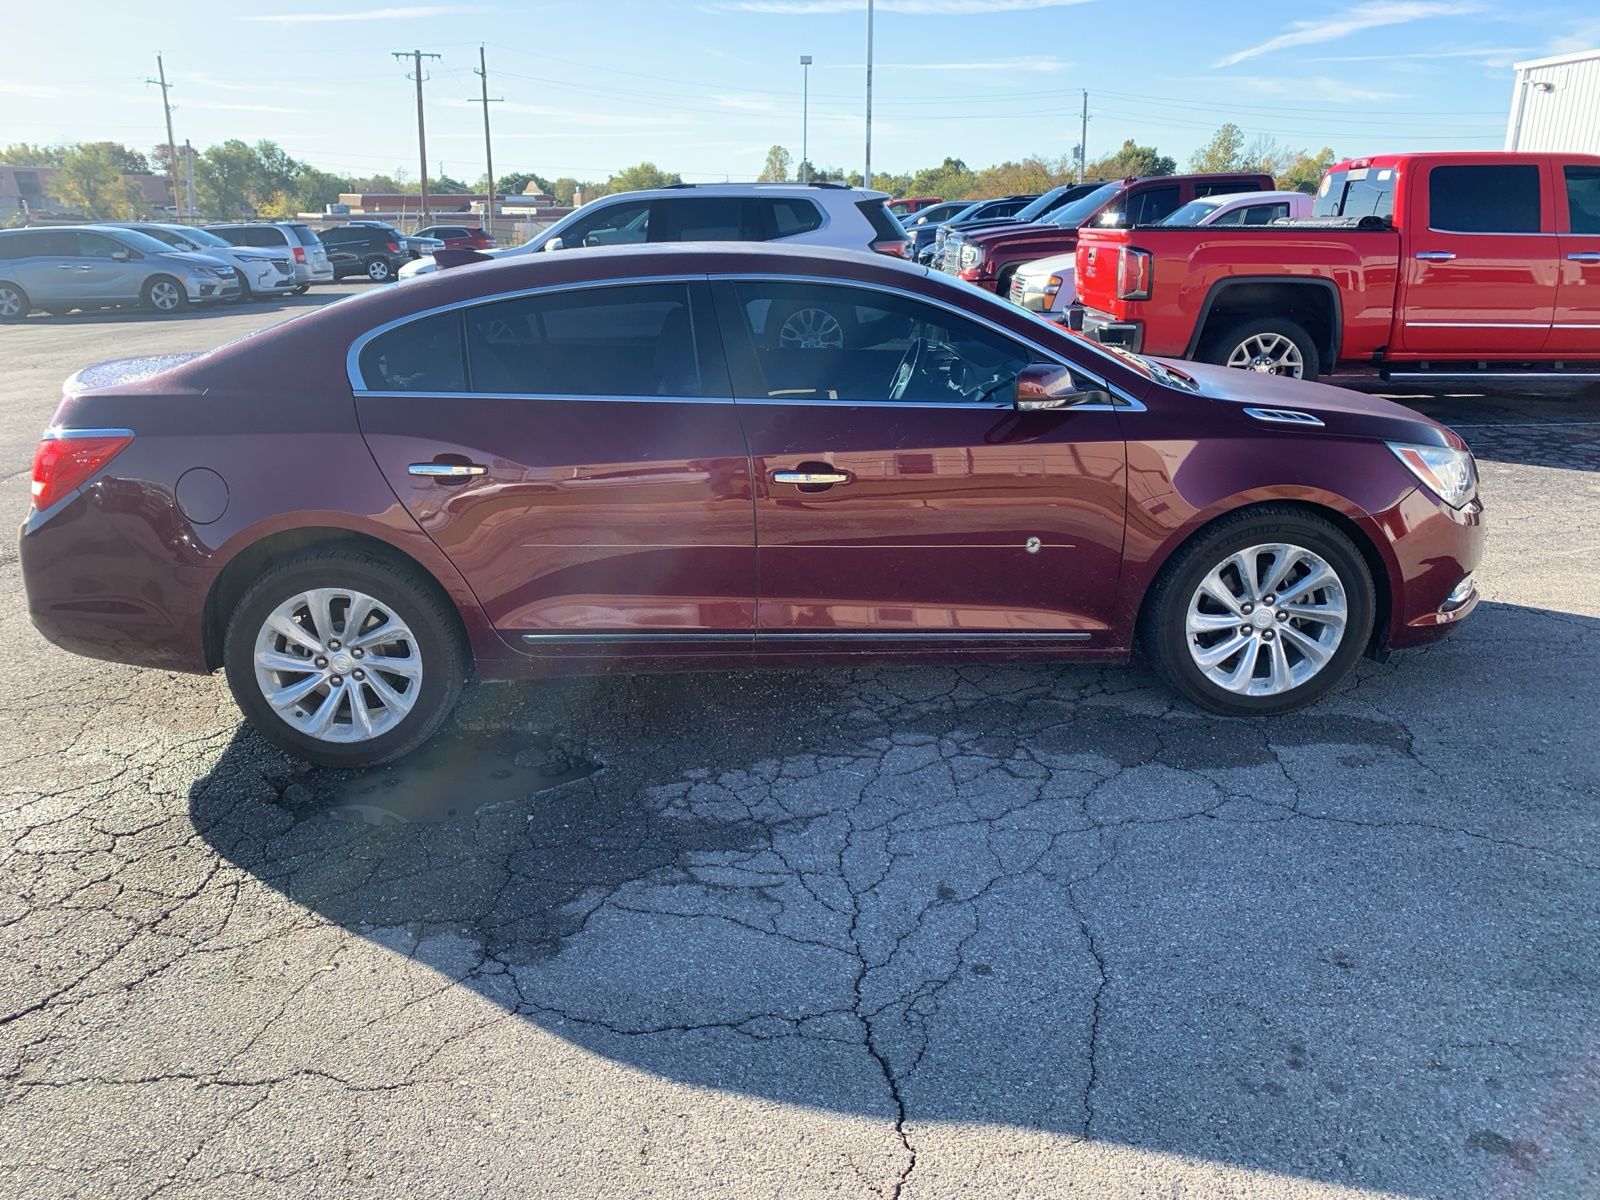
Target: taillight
<point>392,247</point>
<point>894,247</point>
<point>68,458</point>
<point>299,254</point>
<point>1134,271</point>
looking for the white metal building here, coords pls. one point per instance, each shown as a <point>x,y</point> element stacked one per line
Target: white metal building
<point>1555,104</point>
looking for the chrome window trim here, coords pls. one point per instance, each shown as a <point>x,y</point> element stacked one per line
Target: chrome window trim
<point>58,434</point>
<point>1126,403</point>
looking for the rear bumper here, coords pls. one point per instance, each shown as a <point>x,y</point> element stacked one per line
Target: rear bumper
<point>1107,330</point>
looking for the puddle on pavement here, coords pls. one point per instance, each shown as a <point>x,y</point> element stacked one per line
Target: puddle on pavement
<point>453,776</point>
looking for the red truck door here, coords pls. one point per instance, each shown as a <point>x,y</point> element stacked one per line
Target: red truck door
<point>1480,263</point>
<point>1576,330</point>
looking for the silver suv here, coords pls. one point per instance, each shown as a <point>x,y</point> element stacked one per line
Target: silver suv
<point>311,262</point>
<point>61,268</point>
<point>816,214</point>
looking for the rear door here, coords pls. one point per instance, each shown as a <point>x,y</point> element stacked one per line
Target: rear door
<point>44,263</point>
<point>1576,328</point>
<point>578,456</point>
<point>1480,264</point>
<point>900,499</point>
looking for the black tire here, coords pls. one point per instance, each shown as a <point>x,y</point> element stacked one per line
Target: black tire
<point>246,293</point>
<point>378,269</point>
<point>1162,623</point>
<point>1220,346</point>
<point>302,289</point>
<point>165,295</point>
<point>424,609</point>
<point>14,302</point>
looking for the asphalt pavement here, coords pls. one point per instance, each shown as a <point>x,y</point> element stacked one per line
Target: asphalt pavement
<point>985,931</point>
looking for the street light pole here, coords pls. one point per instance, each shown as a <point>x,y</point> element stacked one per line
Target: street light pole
<point>805,118</point>
<point>866,175</point>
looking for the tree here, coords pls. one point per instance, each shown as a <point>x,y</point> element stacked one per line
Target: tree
<point>1224,152</point>
<point>280,206</point>
<point>130,162</point>
<point>638,178</point>
<point>1131,159</point>
<point>951,179</point>
<point>1305,171</point>
<point>779,161</point>
<point>21,154</point>
<point>314,190</point>
<point>91,182</point>
<point>227,179</point>
<point>514,183</point>
<point>562,189</point>
<point>1032,174</point>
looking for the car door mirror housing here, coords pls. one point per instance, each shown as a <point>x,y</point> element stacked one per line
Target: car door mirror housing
<point>1045,386</point>
<point>121,255</point>
<point>555,243</point>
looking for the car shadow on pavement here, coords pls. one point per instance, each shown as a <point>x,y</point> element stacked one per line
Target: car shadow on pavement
<point>1353,945</point>
<point>1556,424</point>
<point>131,314</point>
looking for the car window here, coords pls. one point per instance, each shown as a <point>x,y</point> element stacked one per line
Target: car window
<point>422,356</point>
<point>1264,214</point>
<point>1484,199</point>
<point>820,341</point>
<point>45,243</point>
<point>1583,199</point>
<point>636,340</point>
<point>1356,192</point>
<point>791,216</point>
<point>1149,206</point>
<point>97,245</point>
<point>253,235</point>
<point>332,236</point>
<point>624,223</point>
<point>1224,188</point>
<point>305,235</point>
<point>706,219</point>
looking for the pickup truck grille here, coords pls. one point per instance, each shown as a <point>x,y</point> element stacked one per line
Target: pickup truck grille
<point>1015,295</point>
<point>950,264</point>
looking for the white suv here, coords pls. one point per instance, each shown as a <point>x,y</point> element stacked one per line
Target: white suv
<point>816,214</point>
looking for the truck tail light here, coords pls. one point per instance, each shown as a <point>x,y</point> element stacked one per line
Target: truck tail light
<point>894,247</point>
<point>299,254</point>
<point>1134,274</point>
<point>68,458</point>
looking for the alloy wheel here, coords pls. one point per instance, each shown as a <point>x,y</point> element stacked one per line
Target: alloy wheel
<point>338,665</point>
<point>1269,354</point>
<point>164,295</point>
<point>10,302</point>
<point>811,329</point>
<point>378,270</point>
<point>1266,619</point>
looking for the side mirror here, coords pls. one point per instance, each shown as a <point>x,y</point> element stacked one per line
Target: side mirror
<point>120,256</point>
<point>1042,387</point>
<point>1112,220</point>
<point>555,243</point>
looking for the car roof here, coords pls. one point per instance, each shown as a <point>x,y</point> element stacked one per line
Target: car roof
<point>748,189</point>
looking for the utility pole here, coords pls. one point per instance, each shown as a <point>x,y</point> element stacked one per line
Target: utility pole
<point>805,119</point>
<point>866,175</point>
<point>488,153</point>
<point>1083,139</point>
<point>172,147</point>
<point>188,176</point>
<point>416,57</point>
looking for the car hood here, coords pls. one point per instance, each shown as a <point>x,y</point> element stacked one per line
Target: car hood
<point>1049,266</point>
<point>192,258</point>
<point>1005,233</point>
<point>1342,412</point>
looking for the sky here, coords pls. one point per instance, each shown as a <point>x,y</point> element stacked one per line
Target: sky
<point>704,87</point>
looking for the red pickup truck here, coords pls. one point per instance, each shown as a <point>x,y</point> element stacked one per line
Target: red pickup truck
<point>989,256</point>
<point>1440,264</point>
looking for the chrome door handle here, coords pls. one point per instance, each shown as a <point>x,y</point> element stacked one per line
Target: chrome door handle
<point>1585,256</point>
<point>447,470</point>
<point>1435,256</point>
<point>65,267</point>
<point>811,477</point>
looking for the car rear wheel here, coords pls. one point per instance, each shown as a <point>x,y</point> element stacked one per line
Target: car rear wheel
<point>1263,613</point>
<point>14,302</point>
<point>1268,345</point>
<point>165,294</point>
<point>379,270</point>
<point>343,659</point>
<point>302,289</point>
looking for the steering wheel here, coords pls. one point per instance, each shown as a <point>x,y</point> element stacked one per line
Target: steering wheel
<point>906,371</point>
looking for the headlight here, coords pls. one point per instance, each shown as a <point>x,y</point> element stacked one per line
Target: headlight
<point>225,271</point>
<point>971,256</point>
<point>1449,474</point>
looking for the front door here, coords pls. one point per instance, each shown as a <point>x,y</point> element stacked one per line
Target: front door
<point>900,497</point>
<point>1480,267</point>
<point>100,274</point>
<point>1576,330</point>
<point>578,456</point>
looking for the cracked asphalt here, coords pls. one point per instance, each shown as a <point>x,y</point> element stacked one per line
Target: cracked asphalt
<point>997,931</point>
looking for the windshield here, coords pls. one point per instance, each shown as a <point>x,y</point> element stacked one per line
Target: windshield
<point>1076,212</point>
<point>142,242</point>
<point>1192,213</point>
<point>198,237</point>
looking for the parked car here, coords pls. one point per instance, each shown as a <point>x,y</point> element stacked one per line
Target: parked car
<point>915,471</point>
<point>816,214</point>
<point>364,250</point>
<point>923,237</point>
<point>1048,285</point>
<point>988,257</point>
<point>908,206</point>
<point>1037,209</point>
<point>61,268</point>
<point>311,263</point>
<point>416,245</point>
<point>260,272</point>
<point>1476,263</point>
<point>459,237</point>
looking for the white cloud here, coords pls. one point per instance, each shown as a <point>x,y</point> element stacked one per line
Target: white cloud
<point>1314,87</point>
<point>1585,36</point>
<point>926,8</point>
<point>369,14</point>
<point>1373,14</point>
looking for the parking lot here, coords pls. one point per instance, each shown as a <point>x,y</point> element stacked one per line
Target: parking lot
<point>1032,931</point>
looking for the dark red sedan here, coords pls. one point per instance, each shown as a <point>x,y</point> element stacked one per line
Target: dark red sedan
<point>706,456</point>
<point>459,237</point>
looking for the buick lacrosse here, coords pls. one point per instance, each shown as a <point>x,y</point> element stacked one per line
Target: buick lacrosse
<point>702,456</point>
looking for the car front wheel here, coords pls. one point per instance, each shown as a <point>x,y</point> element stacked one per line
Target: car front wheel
<point>164,294</point>
<point>1263,613</point>
<point>344,659</point>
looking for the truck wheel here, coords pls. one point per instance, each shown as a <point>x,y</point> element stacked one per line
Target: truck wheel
<point>1269,345</point>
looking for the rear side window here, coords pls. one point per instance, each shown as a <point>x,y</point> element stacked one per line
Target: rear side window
<point>1583,199</point>
<point>1149,206</point>
<point>1255,214</point>
<point>882,220</point>
<point>706,219</point>
<point>1224,189</point>
<point>791,216</point>
<point>253,235</point>
<point>636,340</point>
<point>305,235</point>
<point>1486,199</point>
<point>36,243</point>
<point>423,356</point>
